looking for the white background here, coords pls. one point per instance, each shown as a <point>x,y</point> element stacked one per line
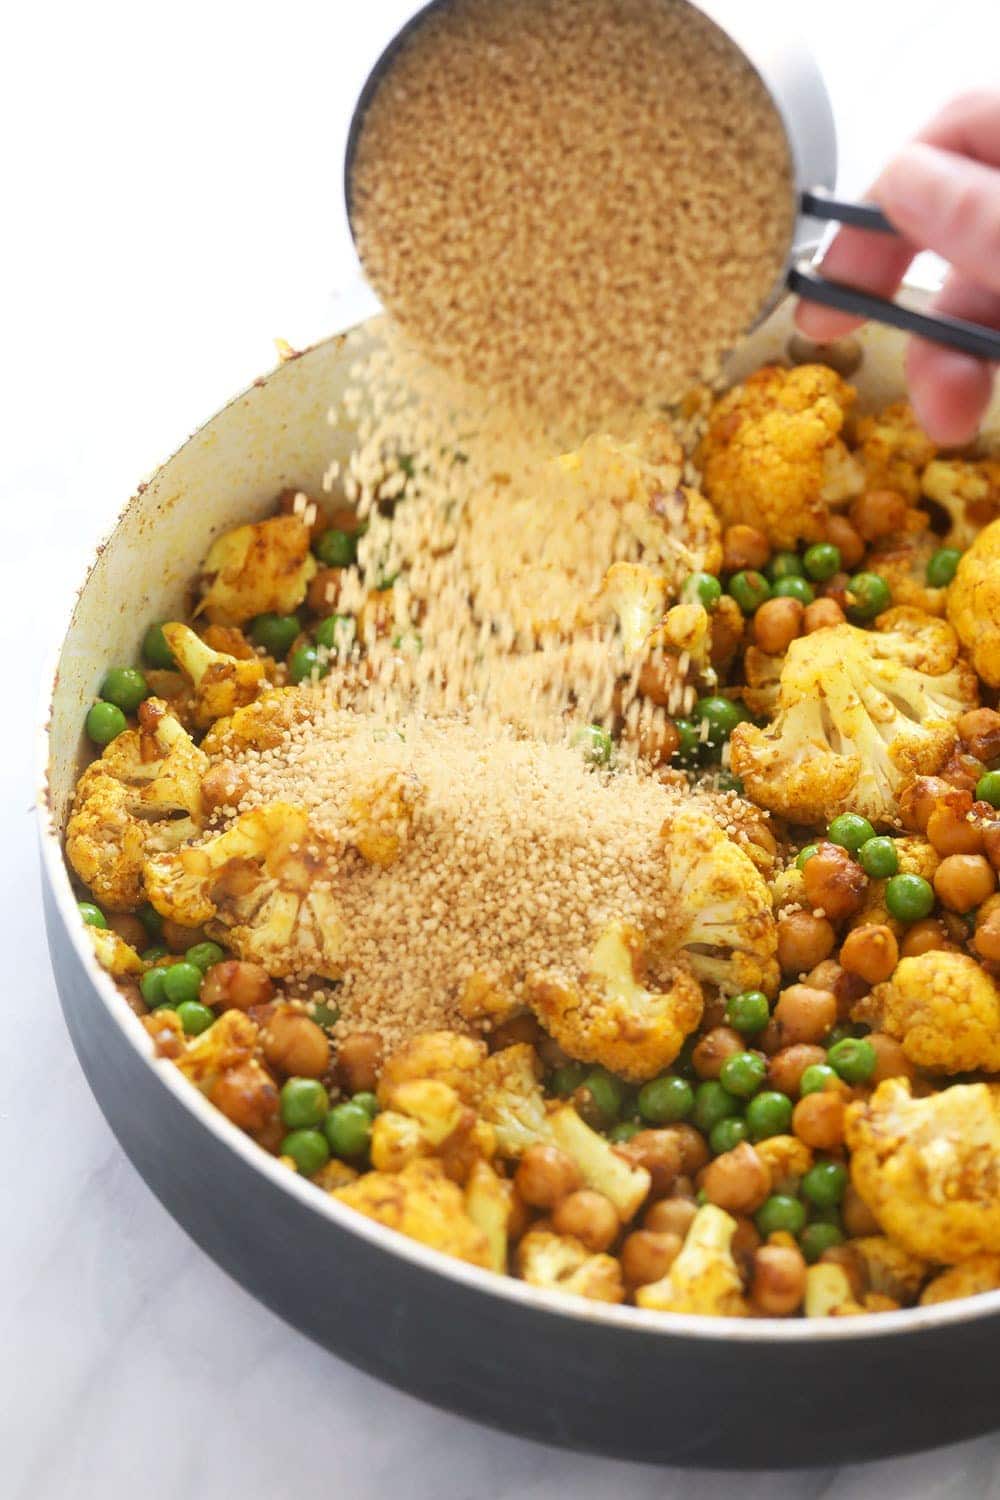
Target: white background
<point>171,203</point>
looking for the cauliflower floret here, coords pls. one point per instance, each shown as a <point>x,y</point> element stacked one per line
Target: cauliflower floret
<point>638,597</point>
<point>929,1168</point>
<point>380,815</point>
<point>221,683</point>
<point>891,1270</point>
<point>969,490</point>
<point>763,681</point>
<point>902,561</point>
<point>893,449</point>
<point>511,1101</point>
<point>258,569</point>
<point>787,1159</point>
<point>944,1009</point>
<point>143,794</point>
<point>261,725</point>
<point>228,1043</point>
<point>859,713</point>
<point>980,1273</point>
<point>488,1203</point>
<point>423,1204</point>
<point>773,457</point>
<point>427,1118</point>
<point>704,1278</point>
<point>258,886</point>
<point>448,1056</point>
<point>563,1264</point>
<point>828,1293</point>
<point>974,603</point>
<point>612,1016</point>
<point>113,953</point>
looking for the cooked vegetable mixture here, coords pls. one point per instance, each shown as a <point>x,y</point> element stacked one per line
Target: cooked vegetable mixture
<point>691,1000</point>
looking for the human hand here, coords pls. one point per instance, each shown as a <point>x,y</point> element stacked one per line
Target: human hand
<point>942,193</point>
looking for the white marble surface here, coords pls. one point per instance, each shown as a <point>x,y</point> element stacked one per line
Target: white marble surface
<point>175,179</point>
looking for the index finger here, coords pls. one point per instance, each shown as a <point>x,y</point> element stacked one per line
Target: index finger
<point>862,258</point>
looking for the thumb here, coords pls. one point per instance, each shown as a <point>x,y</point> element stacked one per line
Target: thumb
<point>947,203</point>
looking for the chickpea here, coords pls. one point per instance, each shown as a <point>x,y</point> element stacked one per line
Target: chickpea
<point>878,513</point>
<point>890,1059</point>
<point>778,1282</point>
<point>744,1243</point>
<point>785,1069</point>
<point>646,1256</point>
<point>714,1013</point>
<point>847,989</point>
<point>820,614</point>
<point>589,1217</point>
<point>324,591</point>
<point>725,630</point>
<point>683,1187</point>
<point>359,1058</point>
<point>657,678</point>
<point>550,1052</point>
<point>949,828</point>
<point>654,736</point>
<point>964,881</point>
<point>713,1049</point>
<point>870,951</point>
<point>737,1181</point>
<point>776,624</point>
<point>924,937</point>
<point>520,1216</point>
<point>177,938</point>
<point>825,975</point>
<point>769,1041</point>
<point>295,1045</point>
<point>857,1216</point>
<point>235,985</point>
<point>660,1152</point>
<point>129,929</point>
<point>670,1216</point>
<point>804,1014</point>
<point>979,731</point>
<point>845,538</point>
<point>986,939</point>
<point>991,843</point>
<point>918,800</point>
<point>691,1146</point>
<point>309,511</point>
<point>247,1096</point>
<point>744,547</point>
<point>545,1174</point>
<point>818,1120</point>
<point>223,785</point>
<point>834,882</point>
<point>962,771</point>
<point>518,1029</point>
<point>804,941</point>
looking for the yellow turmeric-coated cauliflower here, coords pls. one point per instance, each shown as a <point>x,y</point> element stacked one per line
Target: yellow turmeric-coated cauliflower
<point>425,1117</point>
<point>229,1042</point>
<point>614,1015</point>
<point>980,1273</point>
<point>772,456</point>
<point>969,490</point>
<point>259,887</point>
<point>944,1009</point>
<point>902,561</point>
<point>974,603</point>
<point>448,1056</point>
<point>221,683</point>
<point>637,596</point>
<point>929,1168</point>
<point>261,725</point>
<point>787,1159</point>
<point>859,714</point>
<point>422,1203</point>
<point>258,569</point>
<point>828,1293</point>
<point>890,1270</point>
<point>489,1200</point>
<point>380,814</point>
<point>893,449</point>
<point>704,1278</point>
<point>142,795</point>
<point>561,1263</point>
<point>113,953</point>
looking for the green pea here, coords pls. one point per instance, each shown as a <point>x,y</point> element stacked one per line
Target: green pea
<point>348,1130</point>
<point>750,589</point>
<point>702,588</point>
<point>275,633</point>
<point>624,1131</point>
<point>878,858</point>
<point>155,649</point>
<point>305,664</point>
<point>817,1237</point>
<point>151,985</point>
<point>92,915</point>
<point>743,1073</point>
<point>850,831</point>
<point>125,687</point>
<point>712,1103</point>
<point>780,1213</point>
<point>105,722</point>
<point>988,788</point>
<point>722,716</point>
<point>304,1102</point>
<point>869,594</point>
<point>821,561</point>
<point>824,1183</point>
<point>150,919</point>
<point>726,1135</point>
<point>335,548</point>
<point>909,898</point>
<point>792,587</point>
<point>154,953</point>
<point>181,982</point>
<point>336,632</point>
<point>664,1100</point>
<point>768,1113</point>
<point>748,1013</point>
<point>727,782</point>
<point>204,955</point>
<point>606,1091</point>
<point>594,744</point>
<point>367,1102</point>
<point>942,567</point>
<point>805,854</point>
<point>854,1059</point>
<point>785,565</point>
<point>194,1017</point>
<point>325,1015</point>
<point>690,744</point>
<point>839,1034</point>
<point>567,1079</point>
<point>308,1150</point>
<point>817,1078</point>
